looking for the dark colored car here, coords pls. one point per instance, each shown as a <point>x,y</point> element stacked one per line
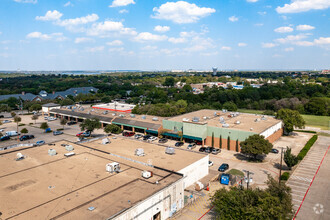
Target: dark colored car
<point>128,133</point>
<point>275,151</point>
<point>198,142</point>
<point>162,140</point>
<point>179,144</point>
<point>4,138</point>
<point>208,150</point>
<point>26,137</point>
<point>71,123</point>
<point>223,167</point>
<point>202,149</point>
<point>146,137</point>
<point>2,116</point>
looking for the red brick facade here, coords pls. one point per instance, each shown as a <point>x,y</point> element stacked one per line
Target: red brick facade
<point>275,136</point>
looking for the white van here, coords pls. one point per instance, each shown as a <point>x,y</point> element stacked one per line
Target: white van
<point>11,133</point>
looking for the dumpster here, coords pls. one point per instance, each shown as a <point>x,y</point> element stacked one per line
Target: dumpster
<point>225,179</point>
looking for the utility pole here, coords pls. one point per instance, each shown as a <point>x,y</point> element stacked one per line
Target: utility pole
<point>279,179</point>
<point>248,177</point>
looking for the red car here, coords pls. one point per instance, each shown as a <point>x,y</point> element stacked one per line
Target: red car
<point>79,134</point>
<point>128,133</point>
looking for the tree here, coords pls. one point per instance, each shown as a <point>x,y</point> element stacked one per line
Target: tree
<point>318,106</point>
<point>35,118</point>
<point>66,101</point>
<point>220,142</point>
<point>90,125</point>
<point>212,140</point>
<point>290,159</point>
<point>169,81</point>
<point>180,134</point>
<point>230,106</point>
<point>291,119</point>
<point>13,114</point>
<point>237,146</point>
<point>228,143</point>
<point>24,131</point>
<point>35,107</point>
<point>115,129</point>
<point>63,122</point>
<point>1,134</point>
<point>255,145</point>
<point>44,125</point>
<point>274,202</point>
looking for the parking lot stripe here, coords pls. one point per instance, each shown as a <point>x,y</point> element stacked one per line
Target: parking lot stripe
<point>300,182</point>
<point>294,186</point>
<point>297,195</point>
<point>296,200</point>
<point>298,190</point>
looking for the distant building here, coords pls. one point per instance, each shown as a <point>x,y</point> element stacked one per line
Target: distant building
<point>215,71</point>
<point>43,95</point>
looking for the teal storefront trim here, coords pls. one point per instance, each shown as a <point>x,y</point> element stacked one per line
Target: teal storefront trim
<point>152,131</point>
<point>171,135</point>
<point>192,138</point>
<point>129,125</point>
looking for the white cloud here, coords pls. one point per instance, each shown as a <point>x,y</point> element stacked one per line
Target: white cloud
<point>289,49</point>
<point>79,40</point>
<point>177,40</point>
<point>252,1</point>
<point>291,38</point>
<point>297,6</point>
<point>149,47</point>
<point>116,49</point>
<point>259,24</point>
<point>322,41</point>
<point>123,11</point>
<point>50,16</point>
<point>27,1</point>
<point>303,43</point>
<point>95,49</point>
<point>304,27</point>
<point>262,13</point>
<point>161,29</point>
<point>225,48</point>
<point>233,18</point>
<point>115,43</point>
<point>210,54</point>
<point>41,36</point>
<point>283,29</point>
<point>146,36</point>
<point>242,44</point>
<point>181,12</point>
<point>268,45</point>
<point>120,3</point>
<point>68,4</point>
<point>78,21</point>
<point>110,27</point>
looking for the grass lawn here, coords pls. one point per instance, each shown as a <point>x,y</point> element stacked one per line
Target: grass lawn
<point>236,172</point>
<point>322,122</point>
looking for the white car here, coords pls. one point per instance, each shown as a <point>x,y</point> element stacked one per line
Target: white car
<point>210,163</point>
<point>152,139</point>
<point>1,130</point>
<point>51,119</point>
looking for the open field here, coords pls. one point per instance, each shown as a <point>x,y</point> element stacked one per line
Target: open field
<point>322,122</point>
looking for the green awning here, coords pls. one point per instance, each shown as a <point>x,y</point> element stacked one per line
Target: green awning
<point>152,131</point>
<point>192,138</point>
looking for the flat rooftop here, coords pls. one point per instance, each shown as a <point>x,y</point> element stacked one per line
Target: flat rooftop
<point>258,123</point>
<point>154,154</point>
<point>50,187</point>
<point>115,106</point>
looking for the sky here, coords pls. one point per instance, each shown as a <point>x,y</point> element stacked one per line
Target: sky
<point>38,35</point>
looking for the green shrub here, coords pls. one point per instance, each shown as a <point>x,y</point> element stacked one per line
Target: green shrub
<point>285,176</point>
<point>59,129</point>
<point>30,123</point>
<point>308,146</point>
<point>21,124</point>
<point>305,131</point>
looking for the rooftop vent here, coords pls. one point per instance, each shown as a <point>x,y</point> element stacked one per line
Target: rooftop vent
<point>19,156</point>
<point>113,167</point>
<point>257,120</point>
<point>139,152</point>
<point>121,115</point>
<point>144,117</point>
<point>263,118</point>
<point>251,129</point>
<point>105,112</point>
<point>237,122</point>
<point>225,125</point>
<point>155,119</point>
<point>69,147</point>
<point>113,114</point>
<point>195,119</point>
<point>147,174</point>
<point>132,116</point>
<point>52,152</point>
<point>224,110</point>
<point>185,119</point>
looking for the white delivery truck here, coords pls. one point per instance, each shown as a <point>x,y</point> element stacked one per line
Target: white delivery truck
<point>11,133</point>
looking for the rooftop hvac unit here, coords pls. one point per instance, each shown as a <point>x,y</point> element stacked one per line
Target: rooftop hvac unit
<point>144,117</point>
<point>170,150</point>
<point>215,113</point>
<point>147,174</point>
<point>185,119</point>
<point>155,119</point>
<point>237,122</point>
<point>251,129</point>
<point>132,116</point>
<point>139,152</point>
<point>106,141</point>
<point>112,167</point>
<point>263,118</point>
<point>19,156</point>
<point>105,112</point>
<point>113,114</point>
<point>121,115</point>
<point>70,154</point>
<point>204,117</point>
<point>257,120</point>
<point>224,110</point>
<point>52,152</point>
<point>69,147</point>
<point>195,119</point>
<point>225,125</point>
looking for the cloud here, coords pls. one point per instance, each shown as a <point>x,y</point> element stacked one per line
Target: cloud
<point>68,4</point>
<point>95,49</point>
<point>259,24</point>
<point>303,43</point>
<point>252,1</point>
<point>50,16</point>
<point>110,27</point>
<point>304,27</point>
<point>115,43</point>
<point>41,36</point>
<point>289,49</point>
<point>79,40</point>
<point>123,11</point>
<point>283,29</point>
<point>262,13</point>
<point>177,40</point>
<point>297,6</point>
<point>149,47</point>
<point>78,21</point>
<point>268,45</point>
<point>161,29</point>
<point>146,36</point>
<point>291,38</point>
<point>27,1</point>
<point>233,18</point>
<point>242,44</point>
<point>181,12</point>
<point>120,3</point>
<point>322,41</point>
<point>225,48</point>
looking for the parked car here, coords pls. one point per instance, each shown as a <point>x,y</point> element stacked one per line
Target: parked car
<point>223,167</point>
<point>11,133</point>
<point>202,149</point>
<point>2,116</point>
<point>138,136</point>
<point>46,118</point>
<point>71,123</point>
<point>191,146</point>
<point>152,138</point>
<point>6,121</point>
<point>198,142</point>
<point>146,137</point>
<point>274,151</point>
<point>128,133</point>
<point>51,119</point>
<point>215,151</point>
<point>210,163</point>
<point>179,144</point>
<point>162,140</point>
<point>26,137</point>
<point>208,150</point>
<point>1,130</point>
<point>57,133</point>
<point>84,134</point>
<point>40,143</point>
<point>4,138</point>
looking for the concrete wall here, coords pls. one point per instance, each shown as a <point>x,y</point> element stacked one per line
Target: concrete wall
<point>167,202</point>
<point>195,171</point>
<point>208,142</point>
<point>225,132</point>
<point>195,130</point>
<point>271,130</point>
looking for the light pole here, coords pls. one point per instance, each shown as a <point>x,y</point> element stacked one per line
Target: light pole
<point>279,179</point>
<point>248,177</point>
